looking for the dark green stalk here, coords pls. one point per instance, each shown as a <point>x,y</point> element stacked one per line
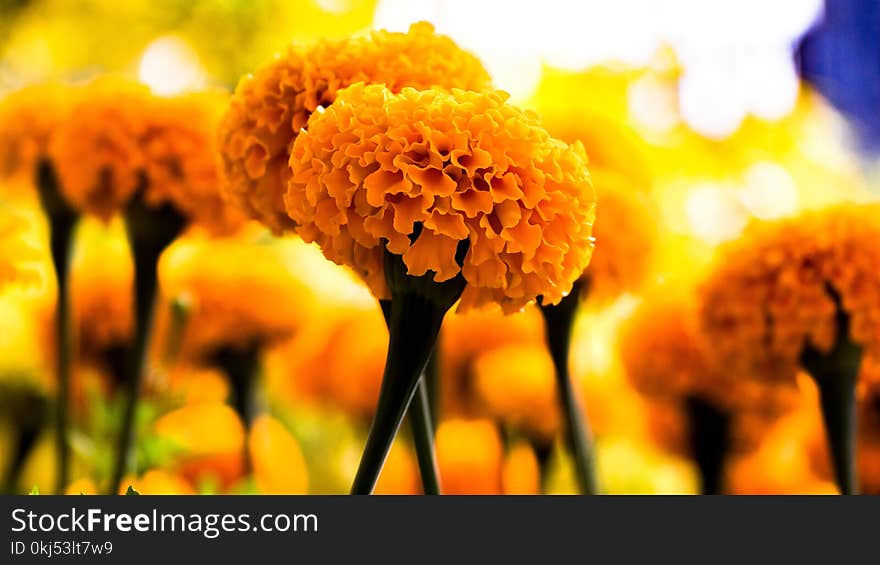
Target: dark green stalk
<point>62,221</point>
<point>30,411</point>
<point>150,231</point>
<point>421,425</point>
<point>836,374</point>
<point>709,428</point>
<point>418,305</point>
<point>241,367</point>
<point>559,321</point>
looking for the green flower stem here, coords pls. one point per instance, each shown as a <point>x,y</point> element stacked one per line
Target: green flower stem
<point>150,231</point>
<point>29,411</point>
<point>543,452</point>
<point>559,320</point>
<point>62,222</point>
<point>421,425</point>
<point>836,374</point>
<point>241,367</point>
<point>710,441</point>
<point>418,305</point>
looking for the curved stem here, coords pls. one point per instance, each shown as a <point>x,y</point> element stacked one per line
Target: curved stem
<point>241,367</point>
<point>836,374</point>
<point>559,322</point>
<point>710,440</point>
<point>421,423</point>
<point>423,437</point>
<point>413,327</point>
<point>150,231</point>
<point>146,283</point>
<point>62,221</point>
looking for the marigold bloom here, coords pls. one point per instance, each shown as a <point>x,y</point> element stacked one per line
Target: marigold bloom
<point>18,260</point>
<point>626,234</point>
<point>27,119</point>
<point>228,305</point>
<point>279,465</point>
<point>97,152</point>
<point>768,297</point>
<point>157,481</point>
<point>663,354</point>
<point>101,287</point>
<point>521,473</point>
<point>271,106</point>
<point>470,457</point>
<point>210,438</point>
<point>517,385</point>
<point>465,166</point>
<point>119,139</point>
<point>468,336</point>
<point>400,475</point>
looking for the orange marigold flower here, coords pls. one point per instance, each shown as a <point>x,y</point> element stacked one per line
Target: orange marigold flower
<point>517,384</point>
<point>120,139</point>
<point>101,283</point>
<point>468,336</point>
<point>97,152</point>
<point>19,258</point>
<point>279,465</point>
<point>768,297</point>
<point>271,106</point>
<point>179,152</point>
<point>210,439</point>
<point>400,475</point>
<point>626,234</point>
<point>464,166</point>
<point>663,354</point>
<point>470,456</point>
<point>231,306</point>
<point>27,119</point>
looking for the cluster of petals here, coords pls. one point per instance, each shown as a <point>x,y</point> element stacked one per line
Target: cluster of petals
<point>458,166</point>
<point>271,106</point>
<point>28,117</point>
<point>626,234</point>
<point>771,293</point>
<point>120,141</point>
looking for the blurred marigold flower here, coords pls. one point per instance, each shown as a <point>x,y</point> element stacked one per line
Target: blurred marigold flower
<point>28,117</point>
<point>239,293</point>
<point>271,106</point>
<point>400,474</point>
<point>101,282</point>
<point>517,385</point>
<point>278,463</point>
<point>97,152</point>
<point>210,438</point>
<point>521,473</point>
<point>470,456</point>
<point>466,337</point>
<point>119,139</point>
<point>768,297</point>
<point>465,166</point>
<point>157,481</point>
<point>19,258</point>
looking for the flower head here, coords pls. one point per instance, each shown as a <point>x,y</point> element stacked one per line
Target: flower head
<point>271,106</point>
<point>626,235</point>
<point>470,456</point>
<point>19,258</point>
<point>119,140</point>
<point>101,282</point>
<point>517,385</point>
<point>770,294</point>
<point>279,465</point>
<point>97,152</point>
<point>238,293</point>
<point>463,166</point>
<point>179,151</point>
<point>27,119</point>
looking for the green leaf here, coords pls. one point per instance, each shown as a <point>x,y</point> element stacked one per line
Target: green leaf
<point>131,491</point>
<point>34,490</point>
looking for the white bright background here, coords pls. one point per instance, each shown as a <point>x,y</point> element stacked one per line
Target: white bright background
<point>736,54</point>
